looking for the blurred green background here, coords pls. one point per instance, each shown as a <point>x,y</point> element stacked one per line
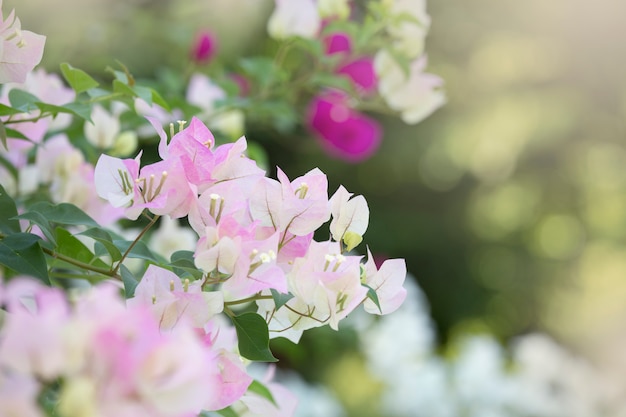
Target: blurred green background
<point>509,204</point>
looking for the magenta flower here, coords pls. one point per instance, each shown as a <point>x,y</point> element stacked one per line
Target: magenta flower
<point>204,47</point>
<point>337,43</point>
<point>361,72</point>
<point>243,84</point>
<point>20,50</point>
<point>342,131</point>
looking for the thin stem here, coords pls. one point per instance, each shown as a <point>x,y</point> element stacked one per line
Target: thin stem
<point>32,119</point>
<point>229,312</point>
<point>83,265</point>
<point>247,300</point>
<point>134,242</point>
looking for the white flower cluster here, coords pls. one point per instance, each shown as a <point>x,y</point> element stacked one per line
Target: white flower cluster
<point>536,378</point>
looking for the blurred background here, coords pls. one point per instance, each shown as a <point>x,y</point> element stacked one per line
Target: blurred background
<point>508,204</point>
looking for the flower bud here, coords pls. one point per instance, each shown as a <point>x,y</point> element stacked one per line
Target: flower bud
<point>204,47</point>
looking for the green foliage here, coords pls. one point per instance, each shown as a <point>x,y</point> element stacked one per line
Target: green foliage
<point>225,412</point>
<point>70,246</point>
<point>129,280</point>
<point>8,212</point>
<point>78,79</point>
<point>45,215</point>
<point>280,299</point>
<point>253,336</point>
<point>264,71</point>
<point>75,109</point>
<point>22,253</point>
<point>8,111</point>
<point>260,389</point>
<point>183,263</point>
<point>22,100</point>
<point>371,294</point>
<point>105,241</point>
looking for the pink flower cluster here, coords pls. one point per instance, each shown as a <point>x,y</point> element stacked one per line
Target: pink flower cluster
<point>256,233</point>
<point>111,359</point>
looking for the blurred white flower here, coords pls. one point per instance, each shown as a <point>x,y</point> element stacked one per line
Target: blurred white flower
<point>294,18</point>
<point>171,237</point>
<point>103,129</point>
<point>333,8</point>
<point>415,95</point>
<point>410,25</point>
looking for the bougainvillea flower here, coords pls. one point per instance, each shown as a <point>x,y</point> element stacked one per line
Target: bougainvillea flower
<point>294,18</point>
<point>350,217</point>
<point>337,42</point>
<point>299,207</point>
<point>415,96</point>
<point>170,300</point>
<point>361,72</point>
<point>387,281</point>
<point>20,50</point>
<point>204,47</point>
<point>342,131</point>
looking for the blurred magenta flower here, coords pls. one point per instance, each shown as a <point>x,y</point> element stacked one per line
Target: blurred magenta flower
<point>243,84</point>
<point>343,132</point>
<point>204,47</point>
<point>20,50</point>
<point>337,42</point>
<point>361,72</point>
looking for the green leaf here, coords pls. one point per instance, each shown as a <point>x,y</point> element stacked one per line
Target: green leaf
<point>64,213</point>
<point>104,238</point>
<point>262,390</point>
<point>6,133</point>
<point>69,245</point>
<point>75,109</point>
<point>3,136</point>
<point>129,280</point>
<point>8,223</point>
<point>182,262</point>
<point>12,170</point>
<point>14,134</point>
<point>78,79</point>
<point>21,252</point>
<point>371,294</point>
<point>253,336</point>
<point>143,93</point>
<point>36,218</point>
<point>183,258</point>
<point>97,93</point>
<point>224,412</point>
<point>122,88</point>
<point>8,111</point>
<point>22,100</point>
<point>79,109</point>
<point>280,299</point>
<point>158,99</point>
